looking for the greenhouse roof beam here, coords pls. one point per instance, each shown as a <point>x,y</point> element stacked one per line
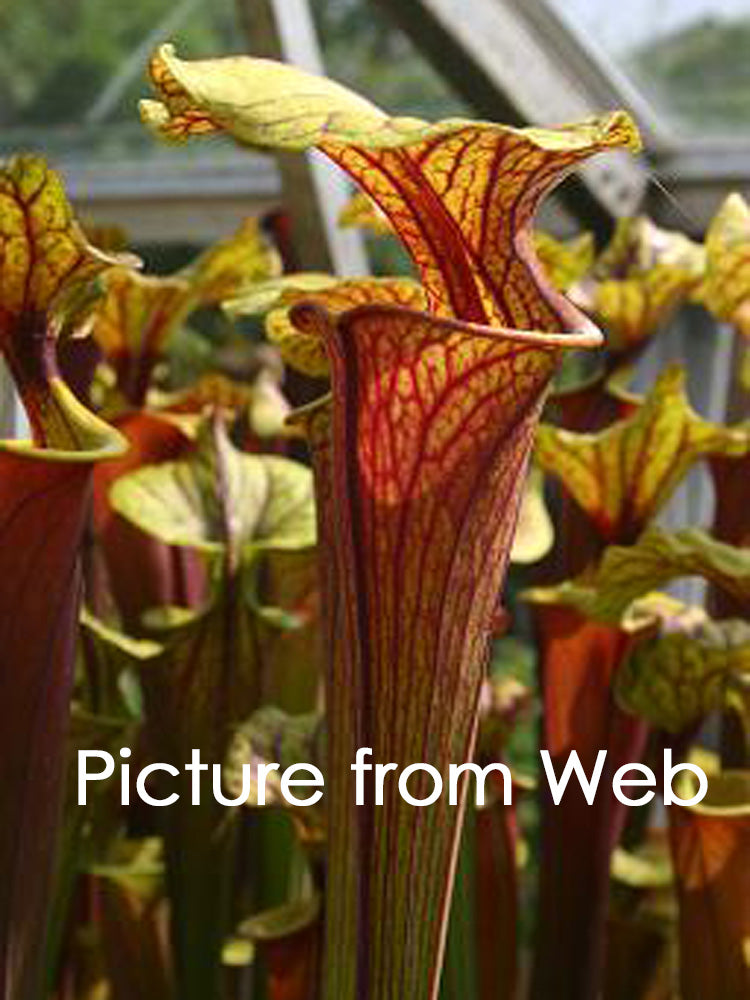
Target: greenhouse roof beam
<point>518,61</point>
<point>314,192</point>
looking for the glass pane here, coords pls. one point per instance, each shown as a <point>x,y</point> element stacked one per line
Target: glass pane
<point>689,57</point>
<point>364,49</point>
<point>72,71</point>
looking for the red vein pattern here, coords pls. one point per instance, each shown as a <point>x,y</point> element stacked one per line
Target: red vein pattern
<point>431,430</point>
<point>42,506</point>
<point>724,288</point>
<point>134,323</point>
<point>462,202</point>
<point>44,258</point>
<point>140,313</point>
<point>622,475</point>
<point>638,282</point>
<point>420,473</point>
<point>431,427</point>
<point>44,497</point>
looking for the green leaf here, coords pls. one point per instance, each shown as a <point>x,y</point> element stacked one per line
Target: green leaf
<point>206,680</point>
<point>219,499</point>
<point>642,870</point>
<point>677,678</point>
<point>623,475</point>
<point>627,573</point>
<point>724,290</point>
<point>264,295</point>
<point>292,110</point>
<point>535,533</point>
<point>284,920</point>
<point>140,314</point>
<point>639,281</point>
<point>46,269</point>
<point>271,734</point>
<point>565,262</point>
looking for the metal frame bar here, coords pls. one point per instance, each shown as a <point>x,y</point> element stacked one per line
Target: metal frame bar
<point>12,417</point>
<point>517,61</point>
<point>201,198</point>
<point>488,53</point>
<point>314,191</point>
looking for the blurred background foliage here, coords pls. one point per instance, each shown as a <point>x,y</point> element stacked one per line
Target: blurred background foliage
<point>80,62</point>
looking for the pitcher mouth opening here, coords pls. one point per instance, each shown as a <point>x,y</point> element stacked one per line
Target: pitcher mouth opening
<point>585,336</point>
